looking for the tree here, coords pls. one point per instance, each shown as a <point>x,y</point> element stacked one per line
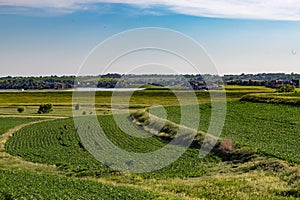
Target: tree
<point>45,108</point>
<point>285,88</point>
<point>77,107</point>
<point>21,109</point>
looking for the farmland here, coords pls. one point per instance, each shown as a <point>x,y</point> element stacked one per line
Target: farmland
<point>62,100</point>
<point>271,129</point>
<point>278,98</point>
<point>20,185</point>
<point>56,143</point>
<point>8,123</point>
<point>51,153</point>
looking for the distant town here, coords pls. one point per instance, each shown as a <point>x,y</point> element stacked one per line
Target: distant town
<point>185,82</point>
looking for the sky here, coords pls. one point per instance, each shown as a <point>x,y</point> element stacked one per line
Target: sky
<point>240,36</point>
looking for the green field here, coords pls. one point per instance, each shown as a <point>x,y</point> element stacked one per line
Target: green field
<point>25,185</point>
<point>8,123</point>
<point>270,128</point>
<point>293,94</point>
<point>56,143</point>
<point>62,100</point>
<point>263,165</point>
<point>275,98</point>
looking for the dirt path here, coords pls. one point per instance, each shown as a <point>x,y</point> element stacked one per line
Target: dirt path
<point>8,161</point>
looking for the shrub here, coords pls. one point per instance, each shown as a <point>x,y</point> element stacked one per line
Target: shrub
<point>77,107</point>
<point>45,108</point>
<point>21,109</point>
<point>285,88</point>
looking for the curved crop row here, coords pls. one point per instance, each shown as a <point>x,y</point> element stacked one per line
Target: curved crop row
<point>24,185</point>
<point>273,129</point>
<point>7,123</point>
<point>57,143</point>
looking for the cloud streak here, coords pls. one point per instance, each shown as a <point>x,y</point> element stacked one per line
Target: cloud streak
<point>242,9</point>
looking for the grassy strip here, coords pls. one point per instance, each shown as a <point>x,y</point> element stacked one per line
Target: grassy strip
<point>260,178</point>
<point>288,98</point>
<point>168,130</point>
<point>145,97</point>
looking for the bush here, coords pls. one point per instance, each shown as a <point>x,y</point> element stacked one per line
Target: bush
<point>45,108</point>
<point>285,88</point>
<point>77,107</point>
<point>21,109</point>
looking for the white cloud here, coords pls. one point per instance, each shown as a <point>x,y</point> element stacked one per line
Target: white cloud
<point>249,9</point>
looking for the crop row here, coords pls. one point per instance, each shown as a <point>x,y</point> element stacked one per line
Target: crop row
<point>25,185</point>
<point>272,129</point>
<point>58,143</point>
<point>7,123</point>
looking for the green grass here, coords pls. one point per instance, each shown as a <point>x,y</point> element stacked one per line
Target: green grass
<point>274,98</point>
<point>62,100</point>
<point>65,97</point>
<point>249,89</point>
<point>25,185</point>
<point>272,129</point>
<point>254,185</point>
<point>261,178</point>
<point>57,143</point>
<point>7,123</point>
<point>293,94</point>
<point>36,98</point>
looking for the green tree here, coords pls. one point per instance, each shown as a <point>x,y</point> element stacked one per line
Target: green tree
<point>21,109</point>
<point>285,88</point>
<point>77,107</point>
<point>45,108</point>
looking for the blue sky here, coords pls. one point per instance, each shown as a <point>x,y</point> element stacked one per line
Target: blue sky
<point>39,38</point>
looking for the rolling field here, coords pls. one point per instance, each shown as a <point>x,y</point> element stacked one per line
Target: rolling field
<point>8,123</point>
<point>270,128</point>
<point>25,185</point>
<point>275,98</point>
<point>62,100</point>
<point>57,143</point>
<point>294,94</point>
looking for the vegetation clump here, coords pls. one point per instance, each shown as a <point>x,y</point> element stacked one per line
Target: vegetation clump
<point>77,107</point>
<point>285,88</point>
<point>169,130</point>
<point>45,108</point>
<point>21,109</point>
